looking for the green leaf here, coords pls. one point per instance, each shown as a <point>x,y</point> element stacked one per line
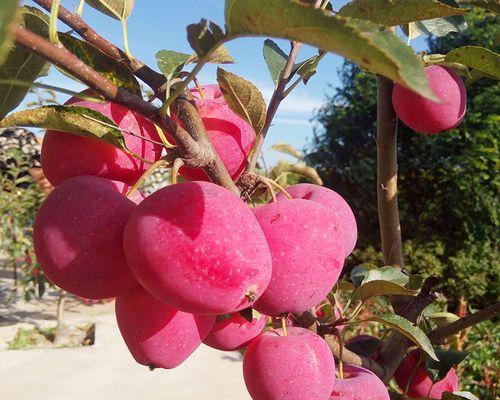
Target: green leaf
<point>441,319</point>
<point>171,62</point>
<point>359,273</point>
<point>117,9</point>
<point>288,149</point>
<point>442,26</point>
<point>458,396</point>
<point>244,98</point>
<point>492,5</point>
<point>407,328</point>
<point>77,120</point>
<point>204,37</point>
<point>307,69</point>
<point>7,16</point>
<point>381,288</point>
<point>111,69</point>
<point>480,59</point>
<point>437,370</point>
<point>275,59</point>
<point>22,65</point>
<point>363,42</point>
<point>397,12</point>
<point>387,273</point>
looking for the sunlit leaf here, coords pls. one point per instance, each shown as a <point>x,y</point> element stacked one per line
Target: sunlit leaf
<point>171,62</point>
<point>381,288</point>
<point>244,98</point>
<point>275,59</point>
<point>409,329</point>
<point>117,9</point>
<point>480,59</point>
<point>7,16</point>
<point>397,12</point>
<point>204,37</point>
<point>492,5</point>
<point>77,120</point>
<point>21,64</point>
<point>360,41</point>
<point>288,149</point>
<point>458,396</point>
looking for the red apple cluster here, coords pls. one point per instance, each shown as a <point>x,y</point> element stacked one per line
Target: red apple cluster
<point>184,261</point>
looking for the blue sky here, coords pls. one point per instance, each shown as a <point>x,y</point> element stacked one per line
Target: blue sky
<point>156,25</point>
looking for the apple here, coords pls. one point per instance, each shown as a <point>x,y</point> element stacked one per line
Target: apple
<point>78,237</point>
<point>298,366</point>
<point>156,334</point>
<point>197,247</point>
<point>332,200</point>
<point>426,116</point>
<point>307,250</point>
<point>359,384</point>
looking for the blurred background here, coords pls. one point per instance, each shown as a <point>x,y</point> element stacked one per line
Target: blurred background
<point>449,204</point>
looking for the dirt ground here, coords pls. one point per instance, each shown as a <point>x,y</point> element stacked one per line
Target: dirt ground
<point>105,371</point>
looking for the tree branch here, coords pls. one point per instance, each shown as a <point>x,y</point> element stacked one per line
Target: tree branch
<point>152,78</point>
<point>438,335</point>
<point>195,154</point>
<point>387,175</point>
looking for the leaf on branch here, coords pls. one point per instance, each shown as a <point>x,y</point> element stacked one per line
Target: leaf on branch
<point>360,41</point>
<point>397,12</point>
<point>8,13</point>
<point>478,58</point>
<point>22,65</point>
<point>117,9</point>
<point>77,120</point>
<point>441,319</point>
<point>407,328</point>
<point>443,25</point>
<point>275,59</point>
<point>307,69</point>
<point>171,62</point>
<point>459,396</point>
<point>111,69</point>
<point>244,98</point>
<point>204,37</point>
<point>288,149</point>
<point>437,370</point>
<point>381,288</point>
<point>359,273</point>
<point>411,30</point>
<point>491,5</point>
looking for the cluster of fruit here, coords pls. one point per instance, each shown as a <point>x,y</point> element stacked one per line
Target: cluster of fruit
<point>186,260</point>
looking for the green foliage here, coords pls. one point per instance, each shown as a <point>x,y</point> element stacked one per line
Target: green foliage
<point>20,199</point>
<point>480,370</point>
<point>28,338</point>
<point>448,183</point>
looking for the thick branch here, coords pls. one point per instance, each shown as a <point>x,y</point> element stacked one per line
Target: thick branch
<point>196,154</point>
<point>397,345</point>
<point>438,335</point>
<point>152,78</point>
<point>387,175</point>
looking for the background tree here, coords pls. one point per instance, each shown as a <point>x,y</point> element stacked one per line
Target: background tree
<point>448,185</point>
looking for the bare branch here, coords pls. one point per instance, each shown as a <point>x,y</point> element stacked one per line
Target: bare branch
<point>438,335</point>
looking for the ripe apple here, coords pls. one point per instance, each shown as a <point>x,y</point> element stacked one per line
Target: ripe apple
<point>297,366</point>
<point>197,247</point>
<point>78,237</point>
<point>426,116</point>
<point>307,250</point>
<point>420,385</point>
<point>332,200</point>
<point>156,334</point>
<point>233,332</point>
<point>231,136</point>
<point>359,384</point>
<point>65,155</point>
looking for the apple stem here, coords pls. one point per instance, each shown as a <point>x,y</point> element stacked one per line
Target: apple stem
<point>178,163</point>
<point>146,173</point>
<point>341,352</point>
<point>199,88</point>
<point>266,182</point>
<point>283,324</point>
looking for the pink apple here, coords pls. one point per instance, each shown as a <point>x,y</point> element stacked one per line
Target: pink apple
<point>156,334</point>
<point>426,116</point>
<point>230,134</point>
<point>233,332</point>
<point>197,247</point>
<point>359,384</point>
<point>297,366</point>
<point>332,200</point>
<point>307,250</point>
<point>420,384</point>
<point>65,155</point>
<point>78,237</point>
